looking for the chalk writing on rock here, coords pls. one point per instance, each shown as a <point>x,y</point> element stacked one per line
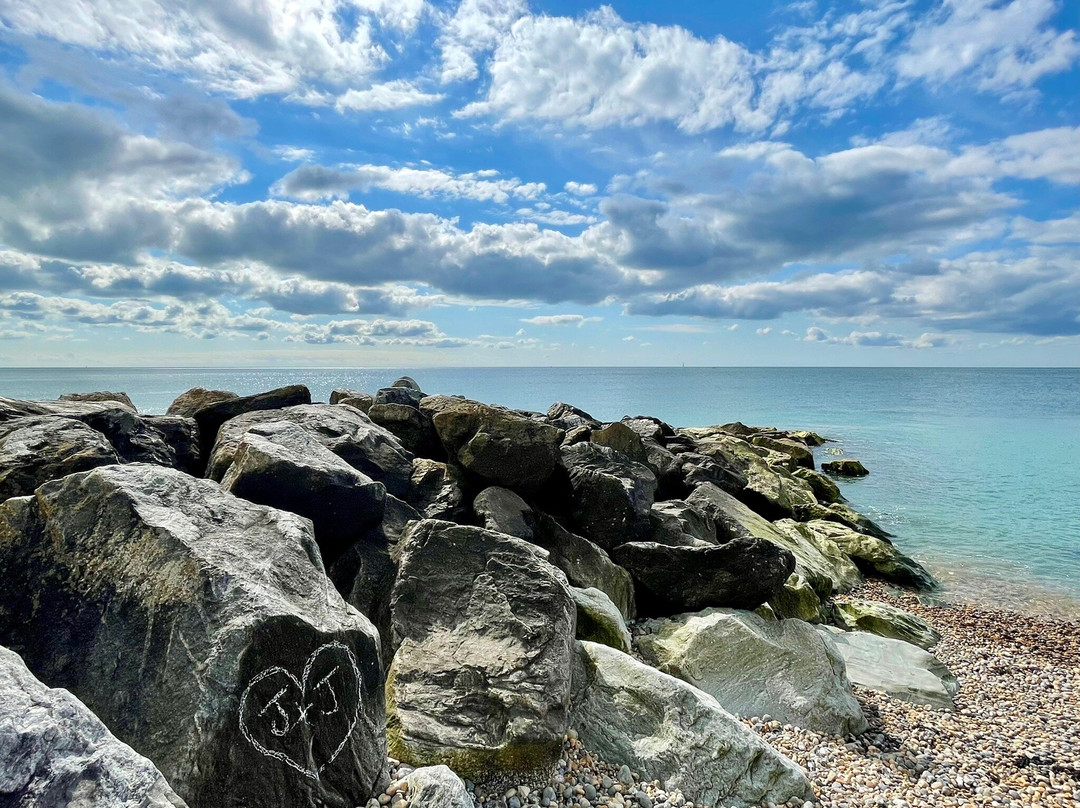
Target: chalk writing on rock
<point>300,721</point>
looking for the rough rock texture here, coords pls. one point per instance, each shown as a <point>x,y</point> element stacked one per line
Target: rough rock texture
<point>193,400</point>
<point>898,668</point>
<point>742,573</point>
<point>181,435</point>
<point>485,629</point>
<point>361,401</point>
<point>846,515</point>
<point>670,731</point>
<point>874,556</point>
<point>437,787</point>
<point>343,430</point>
<point>845,467</point>
<point>824,488</point>
<point>122,398</point>
<point>598,620</point>
<point>176,611</point>
<point>437,490</point>
<point>621,438</point>
<point>39,448</point>
<point>611,495</point>
<point>503,511</point>
<point>754,667</point>
<point>819,559</point>
<point>55,753</point>
<point>797,598</point>
<point>211,416</point>
<point>282,465</point>
<point>412,427</point>
<point>677,522</point>
<point>408,382</point>
<point>798,451</point>
<point>340,393</point>
<point>885,621</point>
<point>568,417</point>
<point>498,446</point>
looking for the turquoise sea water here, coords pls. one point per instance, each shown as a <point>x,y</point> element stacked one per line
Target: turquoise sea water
<point>976,471</point>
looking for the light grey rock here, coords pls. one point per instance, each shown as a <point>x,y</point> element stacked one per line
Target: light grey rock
<point>176,611</point>
<point>801,455</point>
<point>408,382</point>
<point>55,753</point>
<point>503,511</point>
<point>900,669</point>
<point>752,666</point>
<point>598,620</point>
<point>211,414</point>
<point>437,787</point>
<point>610,495</point>
<point>36,449</point>
<point>568,417</point>
<point>485,629</point>
<point>437,490</point>
<point>874,556</point>
<point>344,430</point>
<point>885,621</point>
<point>283,465</point>
<point>670,731</point>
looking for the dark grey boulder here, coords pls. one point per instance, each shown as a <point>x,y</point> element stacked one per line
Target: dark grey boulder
<point>824,488</point>
<point>344,430</point>
<point>845,467</point>
<point>55,753</point>
<point>202,630</point>
<point>337,395</point>
<point>610,495</point>
<point>212,415</point>
<point>677,522</point>
<point>361,401</point>
<point>802,456</point>
<point>405,396</point>
<point>497,446</point>
<point>742,573</point>
<point>181,434</point>
<point>410,426</point>
<point>484,626</point>
<point>719,471</point>
<point>191,401</point>
<point>566,416</point>
<point>122,398</point>
<point>503,511</point>
<point>283,465</point>
<point>36,449</point>
<point>437,490</point>
<point>407,382</point>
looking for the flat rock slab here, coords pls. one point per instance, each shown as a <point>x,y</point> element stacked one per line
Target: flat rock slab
<point>667,730</point>
<point>886,621</point>
<point>55,753</point>
<point>900,669</point>
<point>202,630</point>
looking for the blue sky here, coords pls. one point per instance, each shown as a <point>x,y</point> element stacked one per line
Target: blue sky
<point>498,182</point>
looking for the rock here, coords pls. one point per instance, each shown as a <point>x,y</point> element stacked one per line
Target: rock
<point>212,415</point>
<point>845,515</point>
<point>407,382</point>
<point>797,599</point>
<point>408,424</point>
<point>672,732</point>
<point>824,488</point>
<point>503,511</point>
<point>742,573</point>
<point>121,398</point>
<point>499,447</point>
<point>885,621</point>
<point>782,668</point>
<point>650,428</point>
<point>578,434</point>
<point>610,495</point>
<point>176,611</point>
<point>39,448</point>
<point>55,753</point>
<point>360,402</point>
<point>336,396</point>
<point>188,403</point>
<point>798,451</point>
<point>678,523</point>
<point>283,465</point>
<point>343,430</point>
<point>599,621</point>
<point>900,669</point>
<point>585,564</point>
<point>181,435</point>
<point>405,396</point>
<point>621,438</point>
<point>485,629</point>
<point>567,417</point>
<point>437,490</point>
<point>845,467</point>
<point>875,557</point>
<point>437,787</point>
<point>720,471</point>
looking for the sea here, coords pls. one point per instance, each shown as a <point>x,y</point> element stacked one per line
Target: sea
<point>976,471</point>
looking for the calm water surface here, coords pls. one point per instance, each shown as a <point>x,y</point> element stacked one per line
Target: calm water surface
<point>976,471</point>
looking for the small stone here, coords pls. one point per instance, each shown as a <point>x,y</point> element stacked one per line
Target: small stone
<point>590,792</point>
<point>625,777</point>
<point>643,800</point>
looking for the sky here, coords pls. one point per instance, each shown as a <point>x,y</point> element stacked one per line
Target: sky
<point>409,183</point>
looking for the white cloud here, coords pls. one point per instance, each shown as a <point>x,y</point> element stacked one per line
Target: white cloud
<point>580,188</point>
<point>761,332</point>
<point>561,319</point>
<point>477,25</point>
<point>381,97</point>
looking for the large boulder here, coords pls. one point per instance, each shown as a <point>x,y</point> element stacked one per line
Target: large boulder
<point>823,487</point>
<point>845,467</point>
<point>610,495</point>
<point>122,398</point>
<point>283,465</point>
<point>568,417</point>
<point>412,427</point>
<point>798,599</point>
<point>485,629</point>
<point>55,753</point>
<point>677,522</point>
<point>598,620</point>
<point>885,621</point>
<point>181,435</point>
<point>875,556</point>
<point>498,446</point>
<point>742,573</point>
<point>343,430</point>
<point>211,415</point>
<point>669,731</point>
<point>801,455</point>
<point>203,631</point>
<point>36,449</point>
<point>900,669</point>
<point>437,490</point>
<point>621,438</point>
<point>503,511</point>
<point>752,666</point>
<point>191,401</point>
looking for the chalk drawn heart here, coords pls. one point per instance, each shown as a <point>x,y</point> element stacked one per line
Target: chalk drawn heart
<point>325,700</point>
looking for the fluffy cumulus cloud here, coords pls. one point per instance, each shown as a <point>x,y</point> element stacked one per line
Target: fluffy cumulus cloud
<point>223,170</point>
